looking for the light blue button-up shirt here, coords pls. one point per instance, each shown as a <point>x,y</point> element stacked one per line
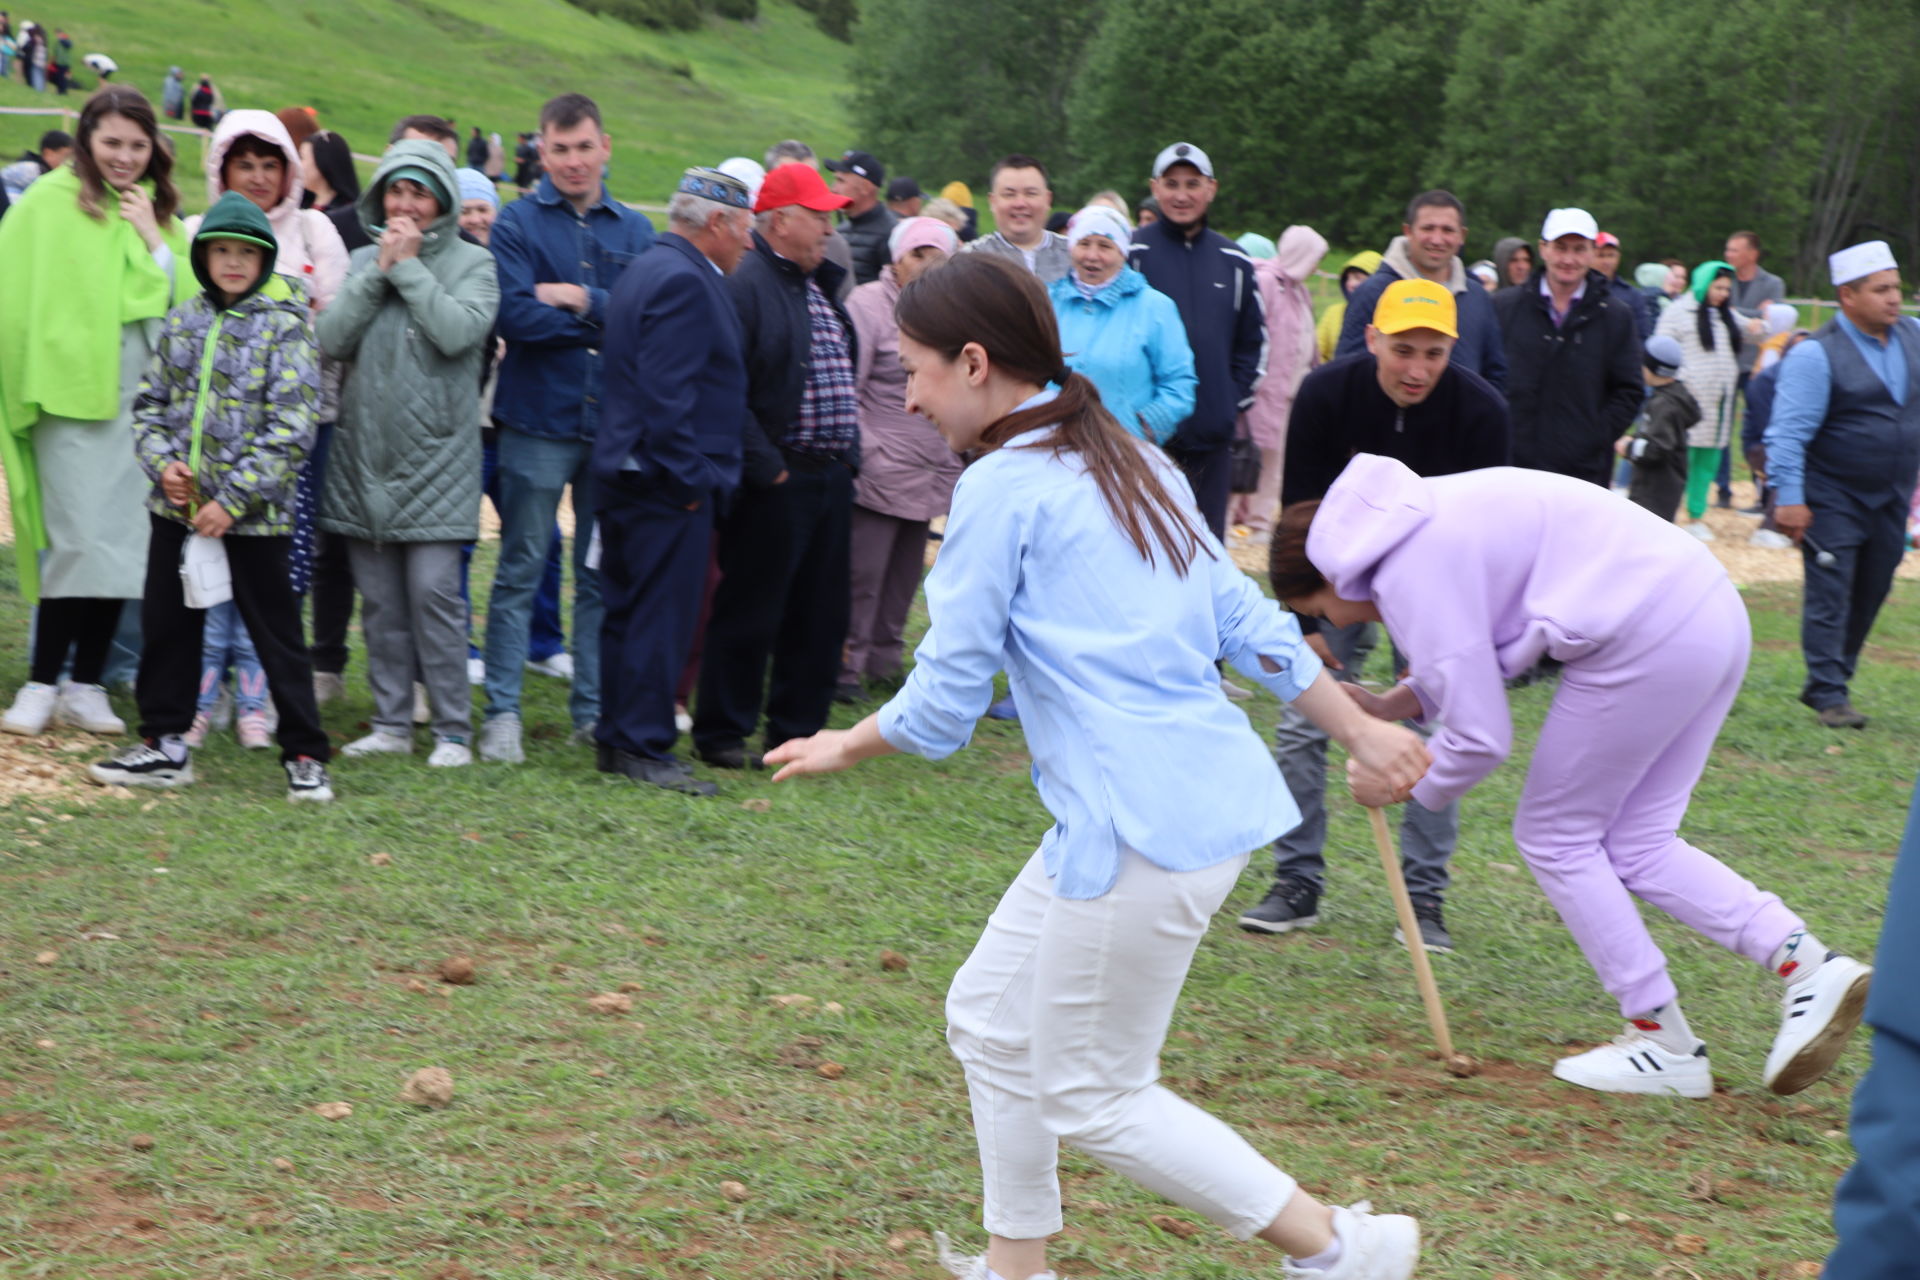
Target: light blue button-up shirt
<point>1800,403</point>
<point>1111,660</point>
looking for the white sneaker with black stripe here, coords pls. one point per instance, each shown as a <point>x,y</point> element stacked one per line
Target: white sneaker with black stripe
<point>1633,1063</point>
<point>1820,1015</point>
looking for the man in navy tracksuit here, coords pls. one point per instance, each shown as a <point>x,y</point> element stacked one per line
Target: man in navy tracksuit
<point>1876,1214</point>
<point>1212,282</point>
<point>666,454</point>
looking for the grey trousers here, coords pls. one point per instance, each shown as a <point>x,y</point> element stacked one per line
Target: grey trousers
<point>889,555</point>
<point>1427,839</point>
<point>413,619</point>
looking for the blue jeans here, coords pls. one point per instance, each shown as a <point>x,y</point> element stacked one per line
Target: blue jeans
<point>548,637</point>
<point>224,641</point>
<point>533,473</point>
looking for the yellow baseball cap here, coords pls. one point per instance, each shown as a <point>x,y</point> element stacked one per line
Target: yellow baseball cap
<point>1416,304</point>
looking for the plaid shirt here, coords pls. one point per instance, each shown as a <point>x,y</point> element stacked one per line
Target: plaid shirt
<point>829,421</point>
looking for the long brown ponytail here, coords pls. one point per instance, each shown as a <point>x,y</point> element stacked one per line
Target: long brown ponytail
<point>982,299</point>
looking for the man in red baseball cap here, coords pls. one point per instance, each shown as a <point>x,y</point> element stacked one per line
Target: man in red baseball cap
<point>784,545</point>
<point>1606,260</point>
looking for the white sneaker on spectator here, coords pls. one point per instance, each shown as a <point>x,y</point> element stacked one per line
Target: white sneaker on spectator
<point>379,743</point>
<point>31,710</point>
<point>682,720</point>
<point>328,686</point>
<point>85,706</point>
<point>559,666</point>
<point>422,707</point>
<point>500,740</point>
<point>476,671</point>
<point>450,753</point>
<point>1770,539</point>
<point>1699,530</point>
<point>1233,691</point>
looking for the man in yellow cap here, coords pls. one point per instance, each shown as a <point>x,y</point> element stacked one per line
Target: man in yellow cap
<point>1403,398</point>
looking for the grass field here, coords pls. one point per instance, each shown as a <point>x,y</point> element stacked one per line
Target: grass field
<point>670,99</point>
<point>222,962</point>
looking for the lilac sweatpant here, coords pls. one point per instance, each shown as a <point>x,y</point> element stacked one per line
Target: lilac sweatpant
<point>1624,743</point>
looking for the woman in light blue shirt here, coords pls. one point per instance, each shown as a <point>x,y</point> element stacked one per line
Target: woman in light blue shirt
<point>1075,559</point>
<point>1124,335</point>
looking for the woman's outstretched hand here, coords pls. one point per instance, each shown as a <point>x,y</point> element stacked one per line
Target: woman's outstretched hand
<point>824,752</point>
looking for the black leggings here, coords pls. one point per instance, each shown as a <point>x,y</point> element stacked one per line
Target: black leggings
<point>83,624</point>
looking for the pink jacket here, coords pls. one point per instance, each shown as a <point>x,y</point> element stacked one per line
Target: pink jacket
<point>310,249</point>
<point>1291,352</point>
<point>906,469</point>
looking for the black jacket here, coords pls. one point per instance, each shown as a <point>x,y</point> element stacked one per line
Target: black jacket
<point>1210,280</point>
<point>1572,390</point>
<point>867,237</point>
<point>770,293</point>
<point>1340,410</point>
<point>1659,451</point>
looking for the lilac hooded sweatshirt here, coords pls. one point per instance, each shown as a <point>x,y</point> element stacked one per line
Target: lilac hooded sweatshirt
<point>1478,575</point>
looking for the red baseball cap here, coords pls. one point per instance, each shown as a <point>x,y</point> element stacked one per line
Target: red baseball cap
<point>1606,239</point>
<point>800,184</point>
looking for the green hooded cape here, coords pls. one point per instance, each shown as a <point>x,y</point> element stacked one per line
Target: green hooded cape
<point>1703,278</point>
<point>72,284</point>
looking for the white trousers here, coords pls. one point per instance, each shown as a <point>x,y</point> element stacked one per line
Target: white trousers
<point>1058,1017</point>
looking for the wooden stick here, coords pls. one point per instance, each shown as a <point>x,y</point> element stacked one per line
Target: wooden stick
<point>1410,928</point>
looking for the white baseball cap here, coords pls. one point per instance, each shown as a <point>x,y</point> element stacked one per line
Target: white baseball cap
<point>1569,222</point>
<point>1182,153</point>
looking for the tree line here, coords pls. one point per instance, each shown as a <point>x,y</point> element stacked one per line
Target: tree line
<point>1673,121</point>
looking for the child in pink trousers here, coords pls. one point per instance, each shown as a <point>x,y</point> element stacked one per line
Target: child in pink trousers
<point>1480,575</point>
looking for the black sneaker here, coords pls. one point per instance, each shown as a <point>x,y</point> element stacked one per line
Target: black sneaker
<point>142,765</point>
<point>849,690</point>
<point>1291,904</point>
<point>307,781</point>
<point>1433,926</point>
<point>668,775</point>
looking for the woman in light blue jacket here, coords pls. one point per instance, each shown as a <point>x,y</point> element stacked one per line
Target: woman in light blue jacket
<point>1124,335</point>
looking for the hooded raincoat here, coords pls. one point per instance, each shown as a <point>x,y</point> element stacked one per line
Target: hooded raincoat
<point>1291,349</point>
<point>311,250</point>
<point>405,462</point>
<point>1128,340</point>
<point>240,373</point>
<point>1326,334</point>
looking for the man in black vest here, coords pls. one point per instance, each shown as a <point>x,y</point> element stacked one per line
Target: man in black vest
<point>1843,452</point>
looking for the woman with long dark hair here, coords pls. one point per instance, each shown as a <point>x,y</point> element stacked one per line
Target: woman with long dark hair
<point>93,251</point>
<point>1701,321</point>
<point>1074,558</point>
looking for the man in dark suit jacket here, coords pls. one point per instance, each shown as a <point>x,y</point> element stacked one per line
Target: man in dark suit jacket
<point>666,454</point>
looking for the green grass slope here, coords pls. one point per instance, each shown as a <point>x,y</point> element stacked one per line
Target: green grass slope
<point>670,98</point>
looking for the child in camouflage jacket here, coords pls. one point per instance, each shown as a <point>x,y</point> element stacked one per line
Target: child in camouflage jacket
<point>223,421</point>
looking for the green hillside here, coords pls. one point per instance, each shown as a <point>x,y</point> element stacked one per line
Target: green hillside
<point>670,98</point>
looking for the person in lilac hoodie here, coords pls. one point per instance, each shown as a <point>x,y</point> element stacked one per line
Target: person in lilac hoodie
<point>1478,576</point>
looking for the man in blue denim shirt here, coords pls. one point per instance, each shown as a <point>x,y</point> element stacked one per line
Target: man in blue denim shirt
<point>559,252</point>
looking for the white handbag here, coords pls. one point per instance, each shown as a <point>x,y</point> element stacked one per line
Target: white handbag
<point>206,579</point>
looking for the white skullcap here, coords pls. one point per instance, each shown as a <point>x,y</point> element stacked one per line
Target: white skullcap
<point>1858,261</point>
<point>747,172</point>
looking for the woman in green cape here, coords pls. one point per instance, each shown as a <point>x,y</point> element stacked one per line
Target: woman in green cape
<point>93,253</point>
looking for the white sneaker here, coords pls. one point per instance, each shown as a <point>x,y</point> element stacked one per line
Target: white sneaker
<point>379,743</point>
<point>1820,1014</point>
<point>142,765</point>
<point>500,740</point>
<point>559,666</point>
<point>1384,1247</point>
<point>1633,1063</point>
<point>682,721</point>
<point>476,671</point>
<point>971,1266</point>
<point>1769,539</point>
<point>1699,530</point>
<point>422,706</point>
<point>1233,691</point>
<point>31,710</point>
<point>307,781</point>
<point>450,753</point>
<point>328,686</point>
<point>251,728</point>
<point>85,706</point>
